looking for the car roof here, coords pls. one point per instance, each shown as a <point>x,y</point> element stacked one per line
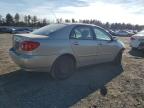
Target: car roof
<point>75,24</point>
<point>81,24</point>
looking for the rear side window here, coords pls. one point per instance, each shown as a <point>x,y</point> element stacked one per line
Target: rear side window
<point>48,29</point>
<point>82,33</point>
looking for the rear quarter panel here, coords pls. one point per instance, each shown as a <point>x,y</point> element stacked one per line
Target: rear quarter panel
<point>57,43</point>
<point>52,47</point>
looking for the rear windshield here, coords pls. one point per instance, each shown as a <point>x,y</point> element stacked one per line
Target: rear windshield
<point>46,30</point>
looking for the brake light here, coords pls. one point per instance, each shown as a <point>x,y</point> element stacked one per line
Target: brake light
<point>29,45</point>
<point>132,38</point>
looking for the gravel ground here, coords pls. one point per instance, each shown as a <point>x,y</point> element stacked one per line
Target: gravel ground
<point>98,86</point>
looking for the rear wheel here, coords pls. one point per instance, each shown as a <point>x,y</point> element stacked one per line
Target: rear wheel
<point>63,68</point>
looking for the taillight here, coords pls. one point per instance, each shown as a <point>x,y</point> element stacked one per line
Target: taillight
<point>132,38</point>
<point>29,45</point>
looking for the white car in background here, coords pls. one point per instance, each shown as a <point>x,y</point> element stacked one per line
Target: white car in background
<point>137,41</point>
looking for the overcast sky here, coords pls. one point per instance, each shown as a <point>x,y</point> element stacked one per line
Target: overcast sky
<point>128,11</point>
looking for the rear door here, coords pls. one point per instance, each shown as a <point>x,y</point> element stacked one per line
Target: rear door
<point>108,49</point>
<point>84,45</point>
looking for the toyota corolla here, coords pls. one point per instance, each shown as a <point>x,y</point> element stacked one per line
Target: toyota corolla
<point>60,48</point>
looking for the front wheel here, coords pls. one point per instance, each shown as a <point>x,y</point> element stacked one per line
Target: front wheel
<point>63,68</point>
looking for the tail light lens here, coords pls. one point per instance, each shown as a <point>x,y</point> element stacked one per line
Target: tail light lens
<point>29,45</point>
<point>132,38</point>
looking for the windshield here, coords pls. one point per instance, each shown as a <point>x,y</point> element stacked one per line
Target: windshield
<point>46,30</point>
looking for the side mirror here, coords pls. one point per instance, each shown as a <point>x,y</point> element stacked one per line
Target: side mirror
<point>114,38</point>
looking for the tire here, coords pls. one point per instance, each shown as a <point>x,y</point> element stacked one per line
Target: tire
<point>63,68</point>
<point>118,59</point>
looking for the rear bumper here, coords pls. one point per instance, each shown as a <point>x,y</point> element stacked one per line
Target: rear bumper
<point>32,63</point>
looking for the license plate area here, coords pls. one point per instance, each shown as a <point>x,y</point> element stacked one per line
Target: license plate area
<point>16,45</point>
<point>16,42</point>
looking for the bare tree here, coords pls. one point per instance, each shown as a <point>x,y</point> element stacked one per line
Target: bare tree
<point>34,20</point>
<point>29,19</point>
<point>17,18</point>
<point>26,19</point>
<point>0,19</point>
<point>9,19</point>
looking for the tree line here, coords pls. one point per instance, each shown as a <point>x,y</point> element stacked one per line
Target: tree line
<point>20,20</point>
<point>34,21</point>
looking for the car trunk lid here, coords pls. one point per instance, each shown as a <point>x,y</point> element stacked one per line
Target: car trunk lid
<point>19,38</point>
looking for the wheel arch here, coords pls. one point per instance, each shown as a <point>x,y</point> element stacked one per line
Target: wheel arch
<point>65,55</point>
<point>69,55</point>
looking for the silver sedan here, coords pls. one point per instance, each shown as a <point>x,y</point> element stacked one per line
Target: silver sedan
<point>60,48</point>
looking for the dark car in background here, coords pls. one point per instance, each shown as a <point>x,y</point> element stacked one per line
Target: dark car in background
<point>123,33</point>
<point>21,30</point>
<point>112,32</point>
<point>6,30</point>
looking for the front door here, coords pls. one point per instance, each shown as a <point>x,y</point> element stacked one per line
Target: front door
<point>84,45</point>
<point>108,50</point>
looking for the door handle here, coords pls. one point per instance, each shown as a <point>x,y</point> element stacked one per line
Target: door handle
<point>75,43</point>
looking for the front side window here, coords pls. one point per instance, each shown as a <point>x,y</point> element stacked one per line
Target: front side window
<point>82,33</point>
<point>101,35</point>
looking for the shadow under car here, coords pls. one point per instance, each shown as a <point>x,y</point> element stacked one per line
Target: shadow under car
<point>22,89</point>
